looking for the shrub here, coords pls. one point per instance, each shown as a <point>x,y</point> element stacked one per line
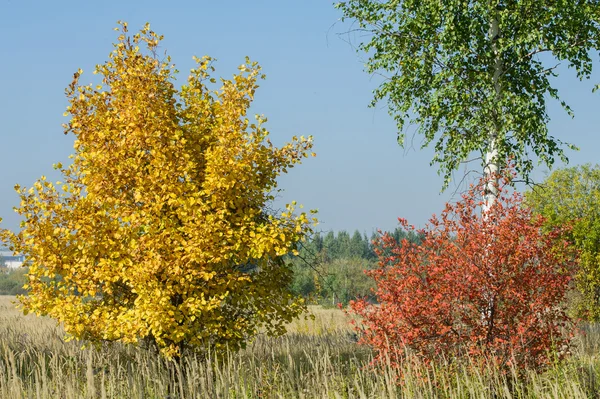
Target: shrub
<point>485,285</point>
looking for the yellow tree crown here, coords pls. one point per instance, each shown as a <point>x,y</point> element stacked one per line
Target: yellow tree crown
<point>160,228</point>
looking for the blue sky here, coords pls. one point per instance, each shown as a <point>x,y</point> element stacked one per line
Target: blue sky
<point>315,86</point>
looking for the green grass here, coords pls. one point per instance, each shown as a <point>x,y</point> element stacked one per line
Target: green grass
<point>316,359</point>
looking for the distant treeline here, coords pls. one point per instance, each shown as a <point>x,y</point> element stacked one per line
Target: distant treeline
<point>330,267</point>
<point>330,246</point>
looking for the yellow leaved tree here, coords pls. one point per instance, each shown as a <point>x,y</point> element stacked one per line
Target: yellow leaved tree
<point>160,230</point>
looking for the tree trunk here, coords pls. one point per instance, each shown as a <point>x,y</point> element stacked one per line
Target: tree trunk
<point>490,168</point>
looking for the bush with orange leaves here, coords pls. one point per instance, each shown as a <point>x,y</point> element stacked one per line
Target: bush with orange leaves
<point>488,286</point>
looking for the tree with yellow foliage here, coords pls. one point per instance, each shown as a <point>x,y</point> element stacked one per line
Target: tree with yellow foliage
<point>160,229</point>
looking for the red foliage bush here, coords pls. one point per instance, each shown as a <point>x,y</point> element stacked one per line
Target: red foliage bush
<point>485,286</point>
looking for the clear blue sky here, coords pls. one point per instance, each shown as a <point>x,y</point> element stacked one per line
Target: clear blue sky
<point>315,85</point>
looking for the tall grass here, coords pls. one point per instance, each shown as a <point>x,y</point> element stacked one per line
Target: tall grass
<point>317,359</point>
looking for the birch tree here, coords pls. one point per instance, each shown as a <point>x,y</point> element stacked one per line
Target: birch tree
<point>474,76</point>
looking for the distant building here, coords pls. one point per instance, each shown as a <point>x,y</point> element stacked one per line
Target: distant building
<point>11,260</point>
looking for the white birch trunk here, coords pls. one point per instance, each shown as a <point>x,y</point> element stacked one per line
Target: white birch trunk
<point>490,169</point>
<point>491,157</point>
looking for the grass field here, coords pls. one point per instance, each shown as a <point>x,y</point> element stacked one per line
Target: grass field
<point>317,359</point>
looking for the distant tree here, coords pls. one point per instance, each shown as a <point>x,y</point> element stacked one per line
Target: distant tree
<point>317,243</point>
<point>345,280</point>
<point>343,244</point>
<point>303,282</point>
<point>159,231</point>
<point>359,247</point>
<point>12,281</point>
<point>330,246</point>
<point>572,196</point>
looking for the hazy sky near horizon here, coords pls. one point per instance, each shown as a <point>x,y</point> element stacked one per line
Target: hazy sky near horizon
<point>361,179</point>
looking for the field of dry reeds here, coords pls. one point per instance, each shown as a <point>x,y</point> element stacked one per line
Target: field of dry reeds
<point>316,359</point>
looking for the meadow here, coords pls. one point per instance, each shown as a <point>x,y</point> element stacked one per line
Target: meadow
<point>317,358</point>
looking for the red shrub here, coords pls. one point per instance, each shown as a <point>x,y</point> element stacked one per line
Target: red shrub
<point>488,287</point>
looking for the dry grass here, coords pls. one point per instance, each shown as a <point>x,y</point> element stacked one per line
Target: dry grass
<point>316,359</point>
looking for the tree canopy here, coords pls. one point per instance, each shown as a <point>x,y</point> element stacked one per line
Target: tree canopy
<point>571,196</point>
<point>474,76</point>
